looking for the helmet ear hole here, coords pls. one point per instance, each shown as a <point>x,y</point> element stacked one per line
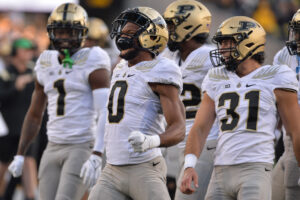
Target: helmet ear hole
<point>249,45</point>
<point>188,27</point>
<point>153,37</point>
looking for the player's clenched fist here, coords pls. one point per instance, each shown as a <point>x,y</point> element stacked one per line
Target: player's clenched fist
<point>141,142</point>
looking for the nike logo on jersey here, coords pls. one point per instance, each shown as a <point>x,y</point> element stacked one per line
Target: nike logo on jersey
<point>210,148</point>
<point>154,164</point>
<point>129,75</point>
<point>249,85</point>
<point>184,77</point>
<point>267,170</point>
<point>68,72</point>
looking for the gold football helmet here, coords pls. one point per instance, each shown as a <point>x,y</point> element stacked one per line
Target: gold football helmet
<point>152,34</point>
<point>98,31</point>
<point>186,19</point>
<point>248,37</point>
<point>293,43</point>
<point>71,19</point>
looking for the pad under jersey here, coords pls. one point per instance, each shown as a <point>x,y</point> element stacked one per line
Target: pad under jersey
<point>246,111</point>
<point>70,99</point>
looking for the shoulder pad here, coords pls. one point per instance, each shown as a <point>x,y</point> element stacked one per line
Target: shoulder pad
<point>218,74</point>
<point>81,56</point>
<point>45,59</point>
<point>121,64</point>
<point>267,72</point>
<point>147,66</point>
<point>282,56</point>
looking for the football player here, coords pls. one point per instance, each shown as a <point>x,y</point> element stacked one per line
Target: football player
<point>285,176</point>
<point>189,24</point>
<point>144,91</point>
<point>73,82</point>
<point>245,97</point>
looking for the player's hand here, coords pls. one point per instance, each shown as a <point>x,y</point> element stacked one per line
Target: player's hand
<point>189,176</point>
<point>141,142</point>
<point>90,170</point>
<point>16,167</point>
<point>22,81</point>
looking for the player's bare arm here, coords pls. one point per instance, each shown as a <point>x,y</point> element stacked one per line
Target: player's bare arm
<point>99,78</point>
<point>174,114</point>
<point>204,120</point>
<point>289,111</point>
<point>33,118</point>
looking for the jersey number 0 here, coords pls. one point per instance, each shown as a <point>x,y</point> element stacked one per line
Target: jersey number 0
<point>117,102</point>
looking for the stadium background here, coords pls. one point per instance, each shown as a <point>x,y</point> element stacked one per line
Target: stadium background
<point>28,18</point>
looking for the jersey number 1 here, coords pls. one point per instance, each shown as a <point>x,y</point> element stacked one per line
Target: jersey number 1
<point>59,85</point>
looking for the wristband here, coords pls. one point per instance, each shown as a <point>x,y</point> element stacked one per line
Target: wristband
<point>155,141</point>
<point>190,160</point>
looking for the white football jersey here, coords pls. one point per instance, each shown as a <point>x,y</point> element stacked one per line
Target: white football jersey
<point>70,98</point>
<point>193,69</point>
<point>246,111</point>
<point>133,106</point>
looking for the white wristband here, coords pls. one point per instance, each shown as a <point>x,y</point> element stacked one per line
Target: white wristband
<point>190,160</point>
<point>155,141</point>
<point>19,158</point>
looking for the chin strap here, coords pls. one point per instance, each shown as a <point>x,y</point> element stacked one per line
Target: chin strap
<point>67,60</point>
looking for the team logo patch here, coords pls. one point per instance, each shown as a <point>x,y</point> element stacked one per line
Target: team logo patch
<point>245,26</point>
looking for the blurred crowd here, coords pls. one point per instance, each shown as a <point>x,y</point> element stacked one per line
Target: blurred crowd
<point>273,15</point>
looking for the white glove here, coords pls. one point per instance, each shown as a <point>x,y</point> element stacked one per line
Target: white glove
<point>16,167</point>
<point>90,170</point>
<point>141,142</point>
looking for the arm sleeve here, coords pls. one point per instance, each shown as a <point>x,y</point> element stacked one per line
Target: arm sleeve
<point>100,100</point>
